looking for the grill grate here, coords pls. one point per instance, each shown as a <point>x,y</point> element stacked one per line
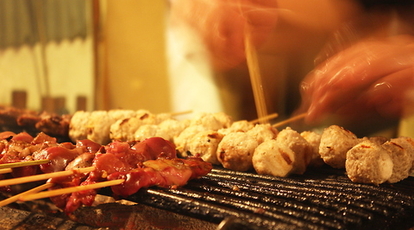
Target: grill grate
<point>323,199</point>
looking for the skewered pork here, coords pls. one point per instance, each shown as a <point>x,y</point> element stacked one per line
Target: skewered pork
<point>117,157</point>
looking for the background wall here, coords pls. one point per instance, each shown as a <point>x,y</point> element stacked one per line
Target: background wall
<point>46,50</point>
<point>133,60</point>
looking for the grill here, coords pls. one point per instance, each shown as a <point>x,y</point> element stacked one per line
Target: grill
<point>225,199</point>
<point>323,199</point>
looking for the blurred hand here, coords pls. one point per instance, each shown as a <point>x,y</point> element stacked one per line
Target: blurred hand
<point>222,25</point>
<point>371,79</point>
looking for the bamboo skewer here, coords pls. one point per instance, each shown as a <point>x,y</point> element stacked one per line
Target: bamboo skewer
<point>58,192</point>
<point>181,113</point>
<point>4,171</point>
<point>256,79</point>
<point>268,117</point>
<point>45,176</point>
<point>287,121</point>
<point>23,163</point>
<point>33,190</point>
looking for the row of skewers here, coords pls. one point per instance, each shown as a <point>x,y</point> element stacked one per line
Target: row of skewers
<point>249,145</point>
<point>106,144</point>
<point>74,172</point>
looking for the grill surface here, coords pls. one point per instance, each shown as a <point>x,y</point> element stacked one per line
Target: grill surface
<point>323,199</point>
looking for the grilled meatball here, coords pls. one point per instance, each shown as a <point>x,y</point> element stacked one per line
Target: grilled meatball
<point>224,119</point>
<point>262,132</point>
<point>181,140</point>
<point>335,143</point>
<point>401,152</point>
<point>314,139</point>
<point>205,144</point>
<point>273,158</point>
<point>212,121</point>
<point>124,129</point>
<point>288,154</point>
<point>238,126</point>
<point>174,127</point>
<point>148,130</point>
<point>100,122</point>
<point>78,125</point>
<point>301,148</point>
<point>368,162</point>
<point>235,151</point>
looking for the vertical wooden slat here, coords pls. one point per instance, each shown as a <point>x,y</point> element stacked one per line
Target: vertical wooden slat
<point>48,104</point>
<point>81,103</point>
<point>60,105</point>
<point>19,99</point>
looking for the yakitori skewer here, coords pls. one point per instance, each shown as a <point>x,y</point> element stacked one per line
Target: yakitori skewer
<point>265,118</point>
<point>23,163</point>
<point>33,190</point>
<point>4,171</point>
<point>39,177</point>
<point>255,79</point>
<point>287,121</point>
<point>62,191</point>
<point>181,113</point>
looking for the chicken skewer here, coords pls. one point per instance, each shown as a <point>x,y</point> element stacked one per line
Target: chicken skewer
<point>124,156</point>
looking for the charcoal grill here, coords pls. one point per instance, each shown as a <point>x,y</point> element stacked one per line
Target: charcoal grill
<point>225,199</point>
<point>322,199</point>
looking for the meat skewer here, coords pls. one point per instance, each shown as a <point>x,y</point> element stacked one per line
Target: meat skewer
<point>23,163</point>
<point>58,192</point>
<point>66,166</point>
<point>18,196</point>
<point>289,120</point>
<point>209,136</point>
<point>39,177</point>
<point>6,170</point>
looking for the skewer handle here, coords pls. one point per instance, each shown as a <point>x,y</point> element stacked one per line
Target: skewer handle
<point>58,192</point>
<point>33,190</point>
<point>39,177</point>
<point>23,163</point>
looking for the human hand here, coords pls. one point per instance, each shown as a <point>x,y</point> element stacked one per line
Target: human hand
<point>222,25</point>
<point>371,79</point>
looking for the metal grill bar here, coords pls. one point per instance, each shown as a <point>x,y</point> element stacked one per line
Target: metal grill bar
<point>318,200</point>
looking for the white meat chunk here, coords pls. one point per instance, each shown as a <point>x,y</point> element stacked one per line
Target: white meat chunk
<point>95,125</point>
<point>314,139</point>
<point>262,132</point>
<point>273,158</point>
<point>238,126</point>
<point>224,119</point>
<point>147,130</point>
<point>301,148</point>
<point>182,139</point>
<point>124,129</point>
<point>211,121</point>
<point>335,143</point>
<point>100,122</point>
<point>174,127</point>
<point>78,125</point>
<point>368,162</point>
<point>205,144</point>
<point>401,152</point>
<point>158,118</point>
<point>235,151</point>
